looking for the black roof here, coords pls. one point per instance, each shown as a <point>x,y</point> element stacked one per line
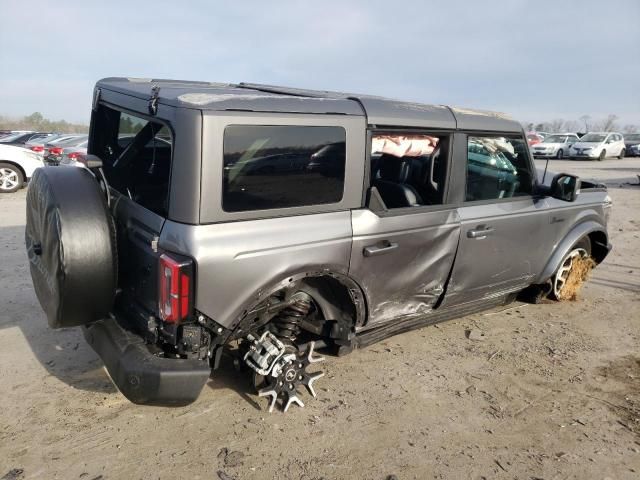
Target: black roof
<point>268,98</point>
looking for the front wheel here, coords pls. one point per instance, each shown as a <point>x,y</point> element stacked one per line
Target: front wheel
<point>622,153</point>
<point>573,270</point>
<point>11,178</point>
<point>560,154</point>
<point>602,155</point>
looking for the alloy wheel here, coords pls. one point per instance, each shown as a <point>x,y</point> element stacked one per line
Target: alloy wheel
<point>9,179</point>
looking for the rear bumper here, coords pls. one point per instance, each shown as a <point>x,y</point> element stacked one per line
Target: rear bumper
<point>141,376</point>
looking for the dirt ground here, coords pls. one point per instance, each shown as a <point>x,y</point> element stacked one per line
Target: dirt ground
<point>552,391</point>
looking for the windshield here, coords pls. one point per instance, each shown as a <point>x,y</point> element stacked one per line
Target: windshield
<point>555,139</point>
<point>593,137</point>
<point>634,138</point>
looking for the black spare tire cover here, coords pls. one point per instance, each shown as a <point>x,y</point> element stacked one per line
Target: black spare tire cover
<point>71,245</point>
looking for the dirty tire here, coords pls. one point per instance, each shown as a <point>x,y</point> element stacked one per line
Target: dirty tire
<point>71,245</point>
<point>573,272</point>
<point>560,154</point>
<point>11,178</point>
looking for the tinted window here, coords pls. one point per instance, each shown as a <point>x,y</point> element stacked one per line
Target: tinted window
<point>136,154</point>
<point>268,167</point>
<point>497,167</point>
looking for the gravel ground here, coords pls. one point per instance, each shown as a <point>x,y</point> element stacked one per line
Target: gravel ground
<point>551,392</point>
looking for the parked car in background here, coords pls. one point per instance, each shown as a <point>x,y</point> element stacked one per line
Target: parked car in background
<point>598,146</point>
<point>16,137</point>
<point>632,144</point>
<point>53,150</point>
<point>555,145</point>
<point>36,144</point>
<point>534,138</point>
<point>17,165</point>
<point>68,155</point>
<point>20,138</point>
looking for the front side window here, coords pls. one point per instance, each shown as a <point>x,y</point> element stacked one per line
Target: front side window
<point>136,154</point>
<point>268,167</point>
<point>497,167</point>
<point>409,169</point>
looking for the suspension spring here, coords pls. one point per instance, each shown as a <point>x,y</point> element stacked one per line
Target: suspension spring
<point>286,324</point>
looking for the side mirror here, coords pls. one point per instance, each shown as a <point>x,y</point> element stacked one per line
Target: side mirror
<point>566,187</point>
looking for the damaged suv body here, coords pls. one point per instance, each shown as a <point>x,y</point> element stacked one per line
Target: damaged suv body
<point>265,221</point>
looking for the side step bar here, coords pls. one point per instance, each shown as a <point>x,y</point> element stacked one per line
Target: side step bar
<point>141,376</point>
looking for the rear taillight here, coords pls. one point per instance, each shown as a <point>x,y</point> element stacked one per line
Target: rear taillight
<point>74,155</point>
<point>55,151</point>
<point>37,148</point>
<point>175,288</point>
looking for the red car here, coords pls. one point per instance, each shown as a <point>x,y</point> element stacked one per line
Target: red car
<point>534,138</point>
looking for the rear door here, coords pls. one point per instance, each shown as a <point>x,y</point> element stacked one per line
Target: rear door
<point>502,242</point>
<point>404,241</point>
<point>137,153</point>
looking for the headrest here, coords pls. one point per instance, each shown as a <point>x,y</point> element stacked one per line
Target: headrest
<point>394,169</point>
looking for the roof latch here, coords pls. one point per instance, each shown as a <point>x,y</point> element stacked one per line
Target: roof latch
<point>153,100</point>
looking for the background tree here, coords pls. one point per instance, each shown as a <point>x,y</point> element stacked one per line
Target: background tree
<point>609,124</point>
<point>37,122</point>
<point>586,119</point>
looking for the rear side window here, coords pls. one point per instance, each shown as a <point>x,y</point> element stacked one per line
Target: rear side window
<point>137,155</point>
<point>268,167</point>
<point>497,167</point>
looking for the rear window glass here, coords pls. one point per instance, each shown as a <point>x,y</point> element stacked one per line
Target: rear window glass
<point>267,167</point>
<point>137,155</point>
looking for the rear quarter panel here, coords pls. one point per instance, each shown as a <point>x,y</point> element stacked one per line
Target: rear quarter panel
<point>238,262</point>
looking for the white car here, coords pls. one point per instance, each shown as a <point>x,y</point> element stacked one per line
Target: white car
<point>555,145</point>
<point>599,145</point>
<point>17,165</point>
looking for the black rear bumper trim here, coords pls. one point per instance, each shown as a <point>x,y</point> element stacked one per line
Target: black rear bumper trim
<point>141,376</point>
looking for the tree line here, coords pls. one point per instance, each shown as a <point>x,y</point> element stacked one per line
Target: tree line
<point>584,124</point>
<point>37,122</point>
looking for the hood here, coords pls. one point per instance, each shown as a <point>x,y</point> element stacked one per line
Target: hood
<point>545,145</point>
<point>587,144</point>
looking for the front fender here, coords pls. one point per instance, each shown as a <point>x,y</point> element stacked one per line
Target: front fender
<point>574,235</point>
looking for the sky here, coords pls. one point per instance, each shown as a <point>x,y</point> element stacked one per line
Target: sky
<point>536,60</point>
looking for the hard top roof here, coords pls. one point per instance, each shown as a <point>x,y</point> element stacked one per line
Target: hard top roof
<point>382,112</point>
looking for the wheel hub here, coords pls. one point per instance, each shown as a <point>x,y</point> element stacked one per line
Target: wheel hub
<point>288,376</point>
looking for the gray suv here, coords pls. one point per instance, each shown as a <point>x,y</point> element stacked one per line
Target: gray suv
<point>266,223</point>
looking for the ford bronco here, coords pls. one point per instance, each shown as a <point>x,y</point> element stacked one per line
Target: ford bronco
<point>267,223</point>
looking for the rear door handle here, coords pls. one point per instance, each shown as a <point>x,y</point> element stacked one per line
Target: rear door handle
<point>481,231</point>
<point>380,249</point>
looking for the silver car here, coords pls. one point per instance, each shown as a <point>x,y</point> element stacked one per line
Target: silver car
<point>555,145</point>
<point>268,222</point>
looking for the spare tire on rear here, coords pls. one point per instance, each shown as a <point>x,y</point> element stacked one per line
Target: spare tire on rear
<point>71,245</point>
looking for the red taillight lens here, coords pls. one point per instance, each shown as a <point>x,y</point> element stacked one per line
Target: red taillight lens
<point>37,148</point>
<point>74,155</point>
<point>175,286</point>
<point>55,151</point>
